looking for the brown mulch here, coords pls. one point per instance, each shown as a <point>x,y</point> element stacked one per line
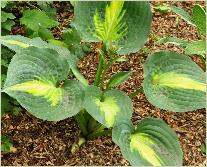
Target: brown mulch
<point>40,142</point>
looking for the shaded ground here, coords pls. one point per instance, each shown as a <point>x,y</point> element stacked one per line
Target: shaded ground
<point>46,143</point>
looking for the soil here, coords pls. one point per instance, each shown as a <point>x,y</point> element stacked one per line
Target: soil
<point>40,142</point>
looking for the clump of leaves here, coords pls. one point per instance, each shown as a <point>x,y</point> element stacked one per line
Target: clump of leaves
<point>7,19</point>
<point>171,81</point>
<point>38,24</point>
<point>6,145</point>
<point>197,19</point>
<point>50,11</point>
<point>73,41</point>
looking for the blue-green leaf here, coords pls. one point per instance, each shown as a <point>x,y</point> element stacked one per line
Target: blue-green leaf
<point>108,110</point>
<point>152,143</point>
<point>33,79</point>
<point>174,82</point>
<point>137,18</point>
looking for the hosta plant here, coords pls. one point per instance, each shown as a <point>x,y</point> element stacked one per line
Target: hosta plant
<point>198,20</point>
<point>38,78</point>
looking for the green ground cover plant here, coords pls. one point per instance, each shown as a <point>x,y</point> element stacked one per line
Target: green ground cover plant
<point>7,18</point>
<point>197,19</point>
<point>37,78</point>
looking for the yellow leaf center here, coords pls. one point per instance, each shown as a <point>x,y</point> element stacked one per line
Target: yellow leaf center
<point>146,147</point>
<point>177,81</point>
<point>40,88</point>
<point>21,44</point>
<point>110,109</point>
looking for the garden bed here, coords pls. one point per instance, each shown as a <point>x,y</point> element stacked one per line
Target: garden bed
<point>38,142</point>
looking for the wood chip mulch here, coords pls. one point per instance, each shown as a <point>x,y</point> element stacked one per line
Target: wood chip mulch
<point>39,142</point>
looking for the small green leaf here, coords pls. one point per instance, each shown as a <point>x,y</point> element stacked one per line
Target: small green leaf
<point>196,47</point>
<point>72,39</point>
<point>33,78</point>
<point>44,33</point>
<point>152,143</point>
<point>146,50</point>
<point>6,144</point>
<point>8,25</point>
<point>182,13</point>
<point>109,110</point>
<point>176,41</point>
<point>162,8</point>
<point>3,4</point>
<point>174,82</point>
<point>46,7</point>
<point>199,17</point>
<point>203,148</point>
<point>3,78</point>
<point>5,62</point>
<point>6,106</point>
<point>5,16</point>
<point>16,110</point>
<point>118,78</point>
<point>35,18</point>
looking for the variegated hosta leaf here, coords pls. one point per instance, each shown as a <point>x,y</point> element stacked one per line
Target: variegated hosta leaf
<point>152,143</point>
<point>18,42</point>
<point>137,19</point>
<point>114,107</point>
<point>174,82</point>
<point>33,78</point>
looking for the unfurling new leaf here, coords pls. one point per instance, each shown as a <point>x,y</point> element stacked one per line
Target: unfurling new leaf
<point>133,21</point>
<point>112,28</point>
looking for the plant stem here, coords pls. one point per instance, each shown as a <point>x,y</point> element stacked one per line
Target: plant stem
<point>99,71</point>
<point>92,124</point>
<point>100,128</point>
<point>106,67</point>
<point>139,90</point>
<point>99,133</point>
<point>81,123</point>
<point>100,65</point>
